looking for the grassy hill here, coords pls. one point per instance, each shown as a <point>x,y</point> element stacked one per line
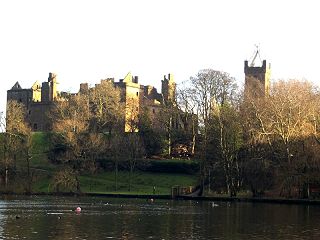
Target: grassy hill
<point>163,174</point>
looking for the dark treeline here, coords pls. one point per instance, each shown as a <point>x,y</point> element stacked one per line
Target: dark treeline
<point>242,142</point>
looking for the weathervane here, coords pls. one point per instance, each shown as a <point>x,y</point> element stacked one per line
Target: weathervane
<point>255,55</point>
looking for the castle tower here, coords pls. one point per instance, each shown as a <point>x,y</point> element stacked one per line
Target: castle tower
<point>168,89</point>
<point>257,79</point>
<point>53,86</point>
<point>49,90</point>
<point>131,95</point>
<point>84,88</point>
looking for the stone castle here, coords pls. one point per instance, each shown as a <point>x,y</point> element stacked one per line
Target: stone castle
<point>40,98</point>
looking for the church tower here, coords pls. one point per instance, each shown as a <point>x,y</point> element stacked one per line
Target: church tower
<point>257,78</point>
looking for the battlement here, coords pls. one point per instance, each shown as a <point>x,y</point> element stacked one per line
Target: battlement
<point>252,70</point>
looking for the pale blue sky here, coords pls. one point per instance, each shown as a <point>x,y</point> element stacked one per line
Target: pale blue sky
<point>85,41</point>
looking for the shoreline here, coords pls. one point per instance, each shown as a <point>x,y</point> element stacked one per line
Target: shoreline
<point>254,200</point>
<point>169,197</point>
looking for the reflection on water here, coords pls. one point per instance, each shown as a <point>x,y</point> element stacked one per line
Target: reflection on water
<point>2,216</point>
<point>109,218</point>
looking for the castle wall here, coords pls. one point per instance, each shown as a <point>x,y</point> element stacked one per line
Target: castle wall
<point>38,116</point>
<point>45,92</point>
<point>20,95</point>
<point>36,92</point>
<point>36,95</point>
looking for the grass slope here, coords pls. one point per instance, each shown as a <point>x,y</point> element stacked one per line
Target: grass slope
<point>39,150</point>
<point>141,182</point>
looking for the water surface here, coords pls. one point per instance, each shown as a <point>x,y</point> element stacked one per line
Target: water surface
<point>116,218</point>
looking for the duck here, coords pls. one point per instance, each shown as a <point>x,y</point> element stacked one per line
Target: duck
<point>214,204</point>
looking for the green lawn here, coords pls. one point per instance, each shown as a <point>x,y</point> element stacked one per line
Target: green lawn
<point>40,142</point>
<point>40,147</point>
<point>142,183</point>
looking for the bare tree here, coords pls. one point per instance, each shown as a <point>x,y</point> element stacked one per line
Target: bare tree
<point>189,112</point>
<point>118,155</point>
<point>106,107</point>
<point>166,118</point>
<point>287,114</point>
<point>85,124</point>
<point>71,128</point>
<point>209,88</point>
<point>284,121</point>
<point>135,150</point>
<point>226,127</point>
<point>150,132</point>
<point>16,140</point>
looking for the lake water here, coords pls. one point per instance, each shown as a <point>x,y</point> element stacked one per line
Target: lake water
<point>116,218</point>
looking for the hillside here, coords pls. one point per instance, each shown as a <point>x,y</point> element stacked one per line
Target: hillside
<point>161,174</point>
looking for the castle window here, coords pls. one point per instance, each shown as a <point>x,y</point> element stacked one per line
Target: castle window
<point>35,126</point>
<point>137,94</point>
<point>20,100</point>
<point>29,112</point>
<point>153,111</point>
